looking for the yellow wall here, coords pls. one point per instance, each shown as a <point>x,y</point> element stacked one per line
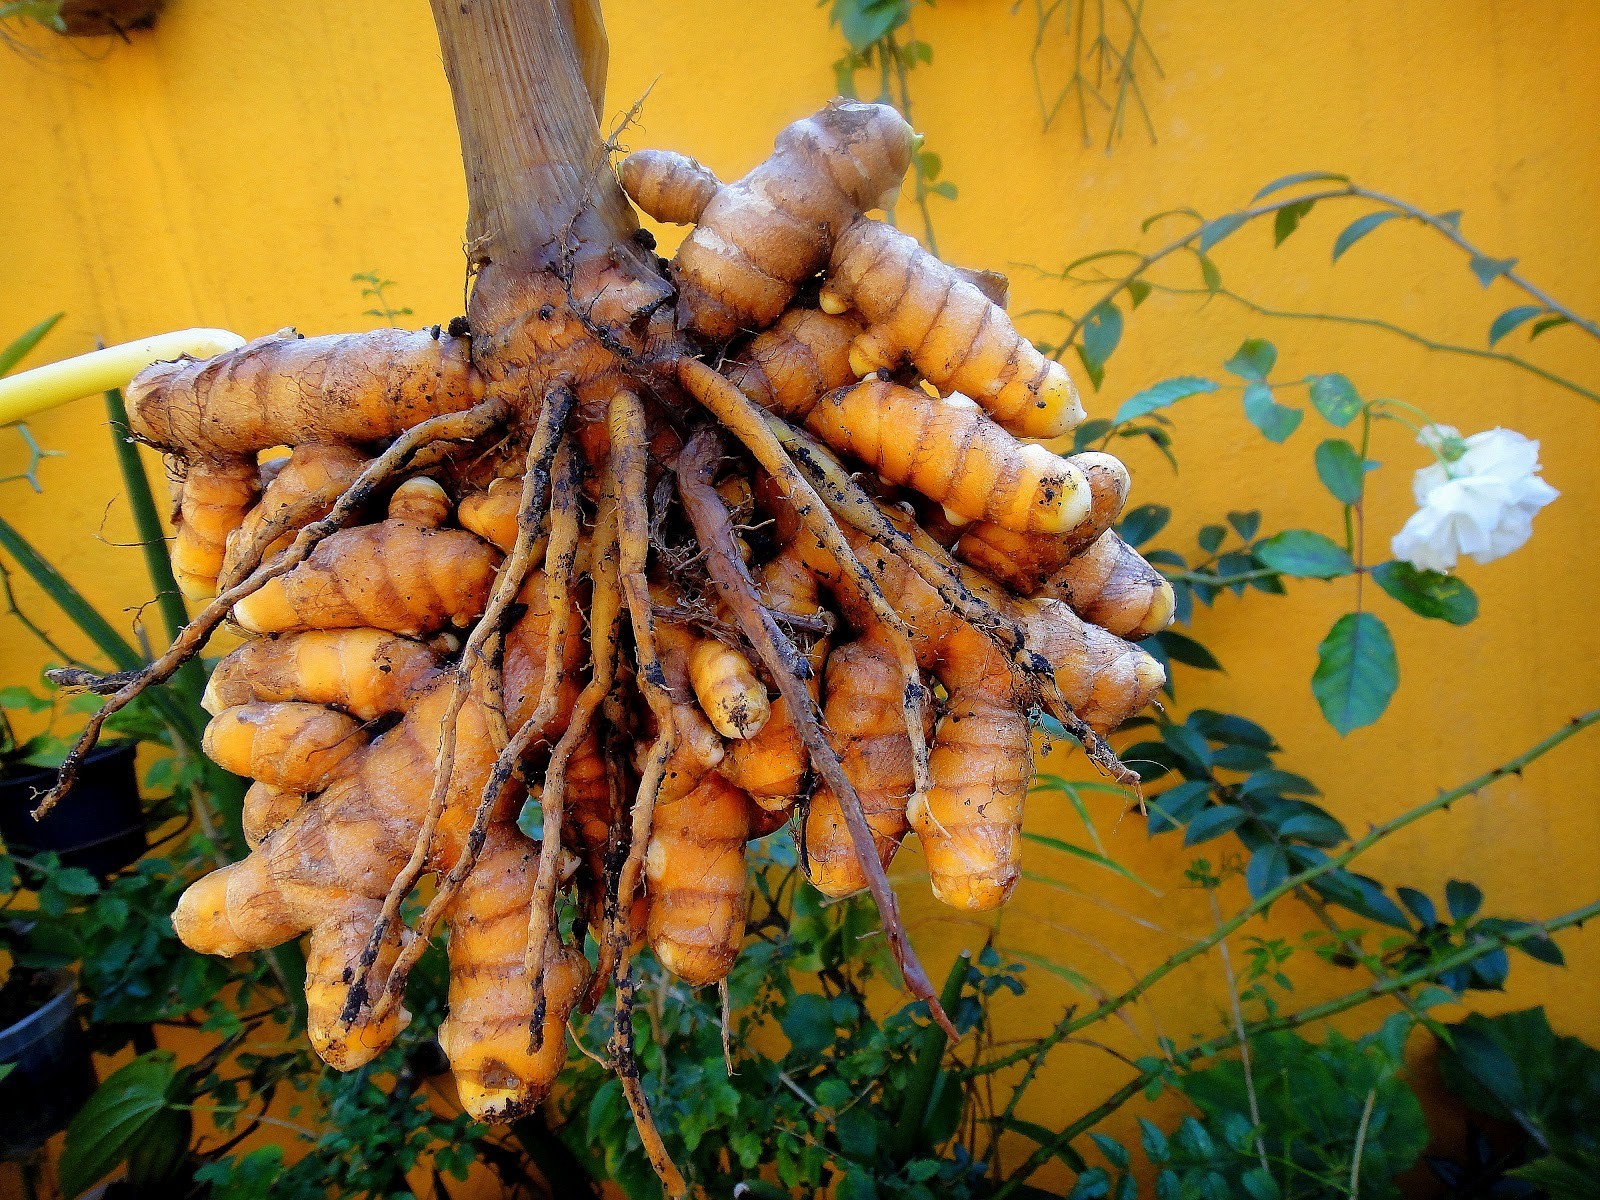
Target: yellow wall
<point>238,166</point>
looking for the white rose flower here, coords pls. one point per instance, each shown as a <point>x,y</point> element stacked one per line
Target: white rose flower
<point>1480,502</point>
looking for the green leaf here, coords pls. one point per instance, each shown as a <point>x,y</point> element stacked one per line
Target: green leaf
<point>1169,212</point>
<point>1342,471</point>
<point>1116,1153</point>
<point>1548,323</point>
<point>1268,867</point>
<point>1138,292</point>
<point>1245,524</point>
<point>22,698</point>
<point>1186,650</point>
<point>1094,370</point>
<point>1358,229</point>
<point>159,1152</point>
<point>808,1023</point>
<point>1209,275</point>
<point>1160,395</point>
<point>1511,318</point>
<point>1287,220</point>
<point>1462,899</point>
<point>1213,232</point>
<point>111,1125</point>
<point>1210,537</point>
<point>1140,524</point>
<point>1214,822</point>
<point>1418,905</point>
<point>1429,594</point>
<point>1099,860</point>
<point>531,819</point>
<point>1275,421</point>
<point>1272,782</point>
<point>1489,269</point>
<point>18,349</point>
<point>1153,1141</point>
<point>1336,398</point>
<point>1253,360</point>
<point>1305,555</point>
<point>1569,1173</point>
<point>865,21</point>
<point>1356,673</point>
<point>1277,185</point>
<point>1102,330</point>
<point>1318,828</point>
<point>1258,1185</point>
<point>1176,806</point>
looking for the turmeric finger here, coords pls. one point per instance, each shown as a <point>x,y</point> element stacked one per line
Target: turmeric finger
<point>786,369</point>
<point>759,238</point>
<point>959,339</point>
<point>1111,585</point>
<point>771,767</point>
<point>950,452</point>
<point>266,810</point>
<point>492,513</point>
<point>486,1032</point>
<point>290,745</point>
<point>671,187</point>
<point>393,575</point>
<point>981,763</point>
<point>865,724</point>
<point>695,880</point>
<point>731,695</point>
<point>283,390</point>
<point>303,489</point>
<point>365,672</point>
<point>1105,679</point>
<point>216,496</point>
<point>1025,562</point>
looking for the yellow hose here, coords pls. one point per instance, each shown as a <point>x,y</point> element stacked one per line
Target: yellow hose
<point>101,370</point>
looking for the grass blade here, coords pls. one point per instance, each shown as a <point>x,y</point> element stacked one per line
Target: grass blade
<point>1099,860</point>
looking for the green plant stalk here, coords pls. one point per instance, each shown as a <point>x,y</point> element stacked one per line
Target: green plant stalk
<point>889,46</point>
<point>189,681</point>
<point>1317,1012</point>
<point>146,521</point>
<point>929,1055</point>
<point>1377,834</point>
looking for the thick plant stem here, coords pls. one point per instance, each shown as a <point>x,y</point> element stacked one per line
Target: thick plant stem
<point>530,137</point>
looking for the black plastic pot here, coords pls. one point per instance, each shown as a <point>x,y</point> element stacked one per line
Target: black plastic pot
<point>53,1074</point>
<point>98,825</point>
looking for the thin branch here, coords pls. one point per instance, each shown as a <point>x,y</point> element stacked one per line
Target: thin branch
<point>1244,1042</point>
<point>1350,191</point>
<point>1488,944</point>
<point>1427,343</point>
<point>1265,901</point>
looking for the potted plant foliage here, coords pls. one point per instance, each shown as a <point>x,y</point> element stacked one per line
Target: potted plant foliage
<point>102,830</point>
